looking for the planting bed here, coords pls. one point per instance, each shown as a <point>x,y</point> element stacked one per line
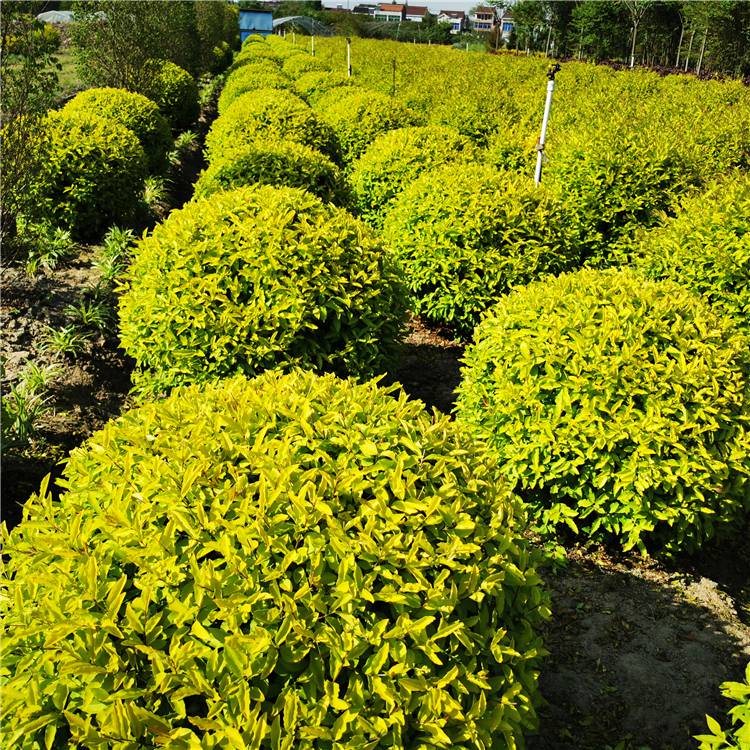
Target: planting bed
<point>637,647</point>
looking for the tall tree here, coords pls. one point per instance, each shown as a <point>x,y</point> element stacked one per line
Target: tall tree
<point>28,69</point>
<point>600,29</point>
<point>637,9</point>
<point>114,38</point>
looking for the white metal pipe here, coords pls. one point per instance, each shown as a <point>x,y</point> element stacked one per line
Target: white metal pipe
<point>543,137</point>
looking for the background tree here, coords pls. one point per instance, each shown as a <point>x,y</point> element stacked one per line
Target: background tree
<point>114,38</point>
<point>600,29</point>
<point>28,68</point>
<point>637,9</point>
<point>722,35</point>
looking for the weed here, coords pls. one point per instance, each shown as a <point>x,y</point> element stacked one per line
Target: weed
<point>111,256</point>
<point>69,340</point>
<point>24,404</point>
<point>48,245</point>
<point>92,314</point>
<point>156,195</point>
<point>183,145</point>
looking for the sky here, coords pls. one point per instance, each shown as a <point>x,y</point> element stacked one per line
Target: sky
<point>433,7</point>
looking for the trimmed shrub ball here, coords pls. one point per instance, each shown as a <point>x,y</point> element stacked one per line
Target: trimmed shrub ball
<point>250,78</point>
<point>134,111</point>
<point>257,278</point>
<point>396,158</point>
<point>298,65</point>
<point>276,163</point>
<point>358,117</point>
<point>174,90</point>
<point>466,234</point>
<point>268,113</point>
<point>92,176</point>
<point>313,85</point>
<point>618,407</point>
<point>291,562</point>
<point>736,733</point>
<point>270,62</point>
<point>614,192</point>
<point>706,248</point>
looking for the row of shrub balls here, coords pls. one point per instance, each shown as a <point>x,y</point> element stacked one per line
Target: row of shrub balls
<point>273,550</point>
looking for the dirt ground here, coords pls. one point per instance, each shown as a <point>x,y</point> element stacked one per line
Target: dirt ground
<point>638,647</point>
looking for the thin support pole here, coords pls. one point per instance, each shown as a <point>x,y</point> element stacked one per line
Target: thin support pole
<point>348,57</point>
<point>312,45</point>
<point>551,72</point>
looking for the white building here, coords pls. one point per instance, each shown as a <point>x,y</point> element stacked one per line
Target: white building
<point>456,18</point>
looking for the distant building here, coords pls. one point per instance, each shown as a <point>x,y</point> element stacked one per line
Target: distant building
<point>416,13</point>
<point>365,10</point>
<point>255,22</point>
<point>483,19</point>
<point>506,25</point>
<point>456,18</point>
<point>390,13</point>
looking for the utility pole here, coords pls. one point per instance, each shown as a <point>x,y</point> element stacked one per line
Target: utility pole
<point>552,71</point>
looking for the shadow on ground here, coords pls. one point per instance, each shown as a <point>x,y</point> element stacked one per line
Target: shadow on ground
<point>637,656</point>
<point>428,367</point>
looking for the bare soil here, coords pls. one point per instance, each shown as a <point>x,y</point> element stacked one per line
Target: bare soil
<point>90,389</point>
<point>638,648</point>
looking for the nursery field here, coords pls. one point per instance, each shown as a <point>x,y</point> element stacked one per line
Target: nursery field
<point>324,426</point>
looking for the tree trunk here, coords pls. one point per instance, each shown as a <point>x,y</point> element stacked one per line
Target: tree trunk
<point>690,49</point>
<point>632,48</point>
<point>679,45</point>
<point>549,35</point>
<point>703,49</point>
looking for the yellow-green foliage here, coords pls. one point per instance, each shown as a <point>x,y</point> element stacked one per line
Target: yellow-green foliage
<point>357,117</point>
<point>291,562</point>
<point>269,62</point>
<point>394,159</point>
<point>737,735</point>
<point>136,112</point>
<point>466,233</point>
<point>251,77</point>
<point>273,162</point>
<point>623,145</point>
<point>706,247</point>
<point>298,65</point>
<point>174,90</point>
<point>92,174</point>
<point>311,86</point>
<point>269,113</point>
<point>257,278</point>
<point>618,406</point>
